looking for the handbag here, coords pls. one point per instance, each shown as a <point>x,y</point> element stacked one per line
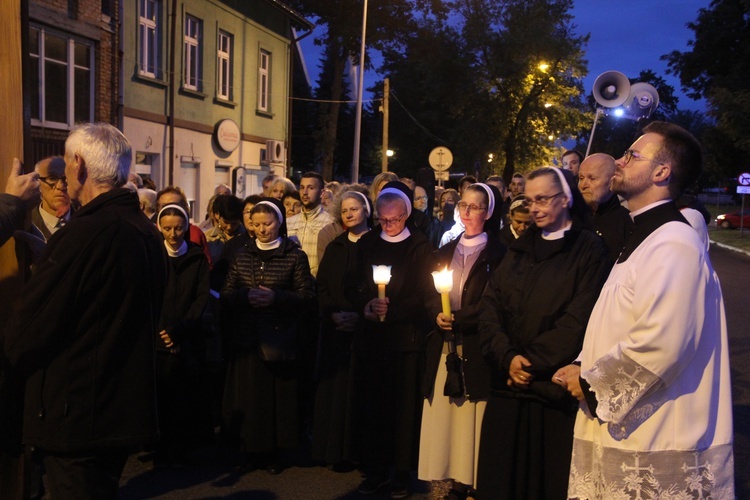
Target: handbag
<point>454,380</point>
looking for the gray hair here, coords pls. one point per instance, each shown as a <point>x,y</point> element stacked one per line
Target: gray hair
<point>105,151</point>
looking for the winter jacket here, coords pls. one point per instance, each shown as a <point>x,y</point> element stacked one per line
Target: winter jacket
<point>84,334</point>
<point>286,271</point>
<point>12,212</point>
<point>466,321</point>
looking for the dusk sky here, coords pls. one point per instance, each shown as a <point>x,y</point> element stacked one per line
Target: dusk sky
<point>626,36</point>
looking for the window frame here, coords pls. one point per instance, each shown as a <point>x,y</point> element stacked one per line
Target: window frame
<point>265,60</point>
<point>149,29</point>
<point>192,64</point>
<point>41,59</point>
<point>224,66</point>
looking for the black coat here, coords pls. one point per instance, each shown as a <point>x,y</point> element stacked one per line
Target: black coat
<point>410,291</point>
<point>185,298</point>
<point>537,304</point>
<point>85,331</point>
<point>466,321</point>
<point>612,222</point>
<point>286,271</point>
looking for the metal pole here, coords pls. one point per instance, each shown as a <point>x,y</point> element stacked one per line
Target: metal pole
<point>742,217</point>
<point>360,87</point>
<point>593,129</point>
<point>386,93</point>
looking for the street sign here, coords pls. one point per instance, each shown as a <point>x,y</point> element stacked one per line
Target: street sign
<point>442,176</point>
<point>744,179</point>
<point>743,189</point>
<point>440,159</point>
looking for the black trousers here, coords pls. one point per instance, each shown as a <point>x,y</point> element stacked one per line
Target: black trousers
<point>86,475</point>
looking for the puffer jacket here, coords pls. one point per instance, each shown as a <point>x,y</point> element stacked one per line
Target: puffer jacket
<point>286,271</point>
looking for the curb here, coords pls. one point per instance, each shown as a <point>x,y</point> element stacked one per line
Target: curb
<point>729,247</point>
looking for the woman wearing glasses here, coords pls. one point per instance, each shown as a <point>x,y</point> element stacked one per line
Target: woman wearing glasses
<point>389,353</point>
<point>452,413</point>
<point>268,281</point>
<point>534,315</point>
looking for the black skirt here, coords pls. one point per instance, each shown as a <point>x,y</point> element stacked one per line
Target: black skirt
<point>260,408</point>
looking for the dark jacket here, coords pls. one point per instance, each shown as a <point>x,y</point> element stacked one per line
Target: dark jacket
<point>466,321</point>
<point>335,280</point>
<point>185,298</point>
<point>537,304</point>
<point>612,222</point>
<point>286,271</point>
<point>12,212</point>
<point>410,290</point>
<point>85,332</point>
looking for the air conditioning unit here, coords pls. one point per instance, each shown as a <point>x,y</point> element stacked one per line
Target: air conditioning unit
<point>275,152</point>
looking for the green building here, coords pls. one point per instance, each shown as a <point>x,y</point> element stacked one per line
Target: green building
<point>225,116</point>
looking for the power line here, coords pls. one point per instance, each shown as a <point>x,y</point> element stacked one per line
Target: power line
<point>416,122</point>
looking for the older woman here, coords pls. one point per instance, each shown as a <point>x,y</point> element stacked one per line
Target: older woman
<point>268,280</point>
<point>534,314</point>
<point>332,425</point>
<point>280,187</point>
<point>181,347</point>
<point>452,413</point>
<point>389,351</point>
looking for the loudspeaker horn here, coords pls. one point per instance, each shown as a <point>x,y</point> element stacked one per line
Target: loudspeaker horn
<point>642,101</point>
<point>611,89</point>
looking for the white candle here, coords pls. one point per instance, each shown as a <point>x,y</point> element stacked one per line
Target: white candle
<point>444,284</point>
<point>381,275</point>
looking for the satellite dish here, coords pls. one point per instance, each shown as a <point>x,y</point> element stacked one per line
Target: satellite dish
<point>642,101</point>
<point>611,89</point>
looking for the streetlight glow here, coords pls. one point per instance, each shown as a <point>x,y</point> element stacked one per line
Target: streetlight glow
<point>543,67</point>
<point>389,153</point>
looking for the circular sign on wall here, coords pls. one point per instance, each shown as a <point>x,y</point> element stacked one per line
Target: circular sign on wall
<point>227,135</point>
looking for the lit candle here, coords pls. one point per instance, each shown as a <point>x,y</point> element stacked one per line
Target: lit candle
<point>381,275</point>
<point>444,284</point>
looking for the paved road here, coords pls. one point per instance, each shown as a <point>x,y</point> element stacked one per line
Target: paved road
<point>214,478</point>
<point>733,269</point>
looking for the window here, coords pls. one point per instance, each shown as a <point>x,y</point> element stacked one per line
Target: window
<point>264,71</point>
<point>62,79</point>
<point>149,38</point>
<point>224,66</point>
<point>192,66</point>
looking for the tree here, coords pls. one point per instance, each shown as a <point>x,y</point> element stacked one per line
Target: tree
<point>530,64</point>
<point>717,68</point>
<point>387,22</point>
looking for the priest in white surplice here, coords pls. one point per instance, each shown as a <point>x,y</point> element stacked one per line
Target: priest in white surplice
<point>655,419</point>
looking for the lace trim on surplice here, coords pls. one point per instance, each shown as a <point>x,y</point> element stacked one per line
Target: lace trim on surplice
<point>614,474</point>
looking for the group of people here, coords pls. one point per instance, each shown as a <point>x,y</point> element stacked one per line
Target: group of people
<point>579,352</point>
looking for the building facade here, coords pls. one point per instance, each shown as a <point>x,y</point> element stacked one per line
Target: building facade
<point>73,69</point>
<point>223,118</point>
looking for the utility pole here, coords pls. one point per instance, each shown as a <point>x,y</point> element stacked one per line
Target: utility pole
<point>360,86</point>
<point>386,97</point>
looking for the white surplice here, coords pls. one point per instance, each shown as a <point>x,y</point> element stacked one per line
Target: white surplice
<point>656,356</point>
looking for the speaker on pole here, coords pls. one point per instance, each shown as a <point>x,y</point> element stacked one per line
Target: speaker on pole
<point>611,89</point>
<point>642,101</point>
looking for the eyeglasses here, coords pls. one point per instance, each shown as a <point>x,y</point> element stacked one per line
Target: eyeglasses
<point>247,212</point>
<point>385,222</point>
<point>472,208</point>
<point>541,201</point>
<point>629,155</point>
<point>420,198</point>
<point>52,181</point>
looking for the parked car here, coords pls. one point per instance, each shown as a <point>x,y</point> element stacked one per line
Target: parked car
<point>732,219</point>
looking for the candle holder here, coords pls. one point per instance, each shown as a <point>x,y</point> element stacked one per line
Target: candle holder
<point>381,275</point>
<point>444,284</point>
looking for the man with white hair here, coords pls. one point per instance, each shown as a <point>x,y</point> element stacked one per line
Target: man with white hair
<point>84,335</point>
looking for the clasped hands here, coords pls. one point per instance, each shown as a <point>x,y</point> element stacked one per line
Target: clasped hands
<point>260,297</point>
